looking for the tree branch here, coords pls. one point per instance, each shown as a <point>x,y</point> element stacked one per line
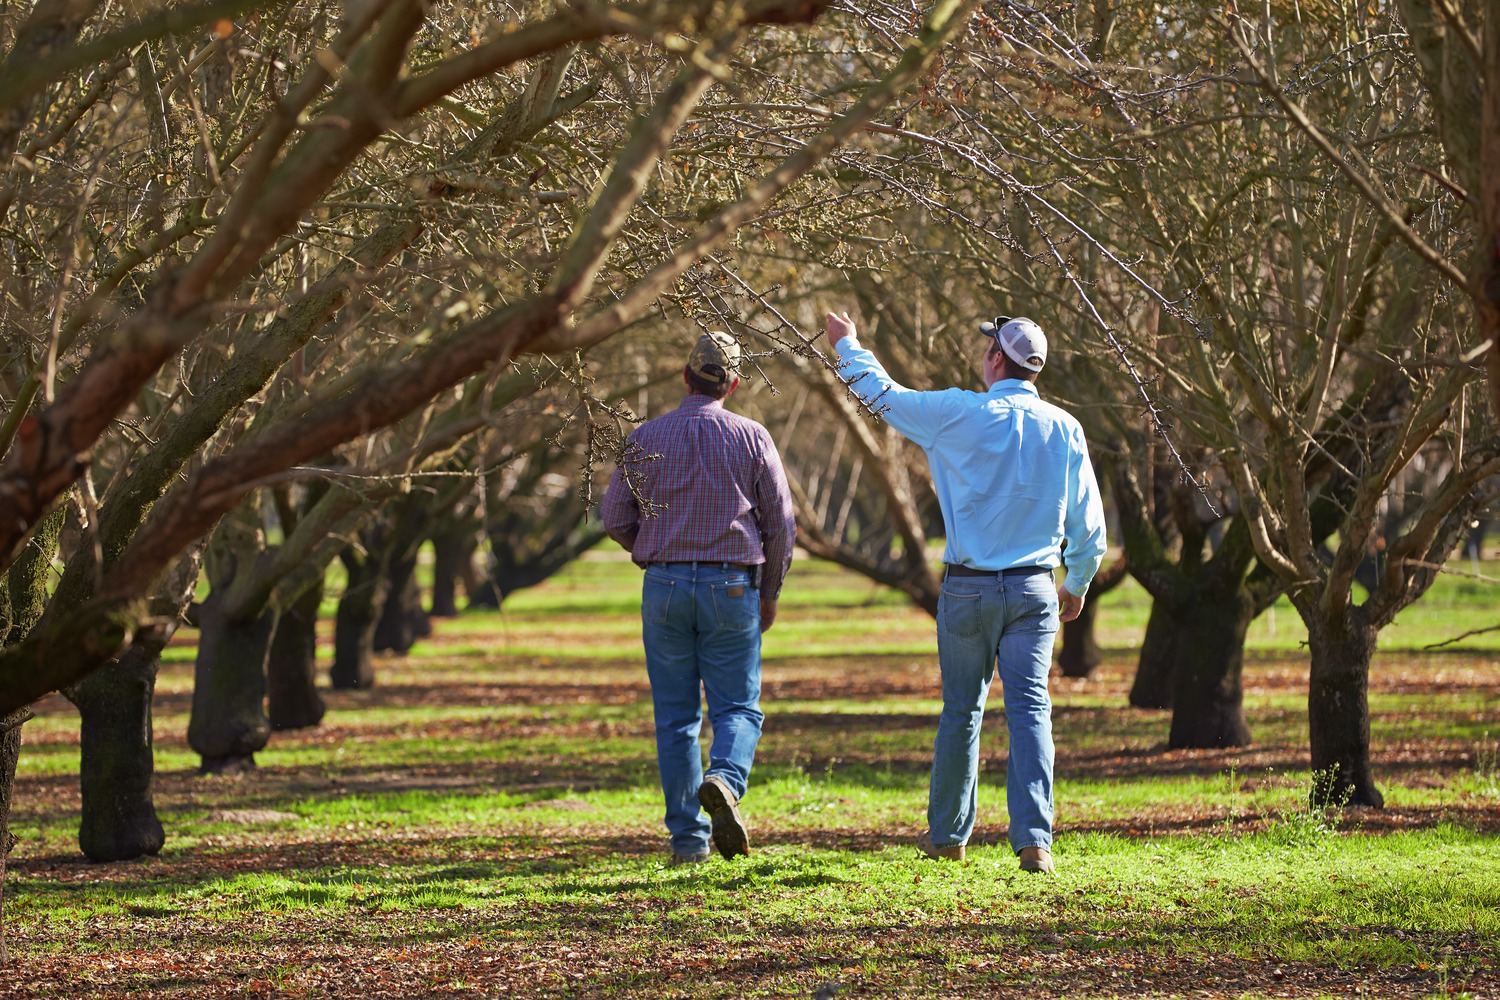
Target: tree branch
<point>1358,178</point>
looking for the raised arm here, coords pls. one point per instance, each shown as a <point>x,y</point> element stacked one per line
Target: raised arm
<point>916,415</point>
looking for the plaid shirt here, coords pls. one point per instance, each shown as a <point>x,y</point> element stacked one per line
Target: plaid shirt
<point>713,488</point>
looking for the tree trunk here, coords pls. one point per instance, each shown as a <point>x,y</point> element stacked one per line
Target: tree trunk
<point>10,751</point>
<point>1153,673</point>
<point>1080,650</point>
<point>1207,699</point>
<point>291,672</point>
<point>533,539</point>
<point>354,625</point>
<point>116,766</point>
<point>452,562</point>
<point>402,620</point>
<point>1338,710</point>
<point>229,723</point>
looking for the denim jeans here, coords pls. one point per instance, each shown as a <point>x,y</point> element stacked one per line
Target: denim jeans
<point>700,623</point>
<point>1011,619</point>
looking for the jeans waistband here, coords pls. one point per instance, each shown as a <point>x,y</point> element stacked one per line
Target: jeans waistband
<point>953,569</point>
<point>727,566</point>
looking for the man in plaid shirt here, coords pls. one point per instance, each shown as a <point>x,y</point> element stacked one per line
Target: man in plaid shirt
<point>700,500</point>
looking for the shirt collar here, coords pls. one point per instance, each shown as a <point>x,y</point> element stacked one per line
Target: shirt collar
<point>1009,385</point>
<point>698,401</point>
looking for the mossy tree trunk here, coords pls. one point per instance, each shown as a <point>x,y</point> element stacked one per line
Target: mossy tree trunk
<point>1341,637</point>
<point>354,623</point>
<point>1157,660</point>
<point>1192,660</point>
<point>23,597</point>
<point>10,752</point>
<point>1192,657</point>
<point>118,820</point>
<point>1338,710</point>
<point>403,620</point>
<point>293,701</point>
<point>454,542</point>
<point>291,581</point>
<point>229,722</point>
<point>1207,675</point>
<point>252,586</point>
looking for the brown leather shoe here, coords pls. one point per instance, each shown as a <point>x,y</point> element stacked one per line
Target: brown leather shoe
<point>1036,859</point>
<point>728,829</point>
<point>927,847</point>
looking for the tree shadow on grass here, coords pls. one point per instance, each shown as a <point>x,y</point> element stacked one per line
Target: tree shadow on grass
<point>587,942</point>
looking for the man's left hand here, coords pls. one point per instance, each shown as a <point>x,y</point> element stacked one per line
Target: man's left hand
<point>1068,605</point>
<point>767,613</point>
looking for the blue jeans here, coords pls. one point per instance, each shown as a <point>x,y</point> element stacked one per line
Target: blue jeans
<point>1012,619</point>
<point>700,623</point>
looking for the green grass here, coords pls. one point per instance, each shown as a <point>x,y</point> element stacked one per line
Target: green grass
<point>486,822</point>
<point>1267,895</point>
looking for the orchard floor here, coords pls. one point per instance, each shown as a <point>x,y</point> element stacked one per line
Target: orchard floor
<point>485,823</point>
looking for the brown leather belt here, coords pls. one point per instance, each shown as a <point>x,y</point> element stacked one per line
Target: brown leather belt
<point>953,569</point>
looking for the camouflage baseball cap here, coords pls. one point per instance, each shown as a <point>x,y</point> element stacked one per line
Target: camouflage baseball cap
<point>715,358</point>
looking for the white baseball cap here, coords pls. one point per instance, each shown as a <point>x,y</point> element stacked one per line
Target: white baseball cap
<point>1020,338</point>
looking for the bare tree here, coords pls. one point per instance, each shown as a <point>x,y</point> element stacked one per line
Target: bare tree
<point>284,173</point>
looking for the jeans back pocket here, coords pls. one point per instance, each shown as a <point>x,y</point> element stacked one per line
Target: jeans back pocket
<point>960,615</point>
<point>656,600</point>
<point>735,606</point>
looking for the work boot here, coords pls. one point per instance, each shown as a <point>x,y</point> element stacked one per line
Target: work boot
<point>927,847</point>
<point>729,834</point>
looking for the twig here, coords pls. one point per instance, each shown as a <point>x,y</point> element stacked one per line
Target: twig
<point>1465,635</point>
<point>1439,568</point>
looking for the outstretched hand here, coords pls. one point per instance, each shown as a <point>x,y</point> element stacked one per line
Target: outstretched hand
<point>839,326</point>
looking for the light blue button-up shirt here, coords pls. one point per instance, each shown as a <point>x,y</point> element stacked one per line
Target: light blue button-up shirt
<point>1012,471</point>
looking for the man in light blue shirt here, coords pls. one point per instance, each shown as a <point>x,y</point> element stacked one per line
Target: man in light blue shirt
<point>1019,500</point>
